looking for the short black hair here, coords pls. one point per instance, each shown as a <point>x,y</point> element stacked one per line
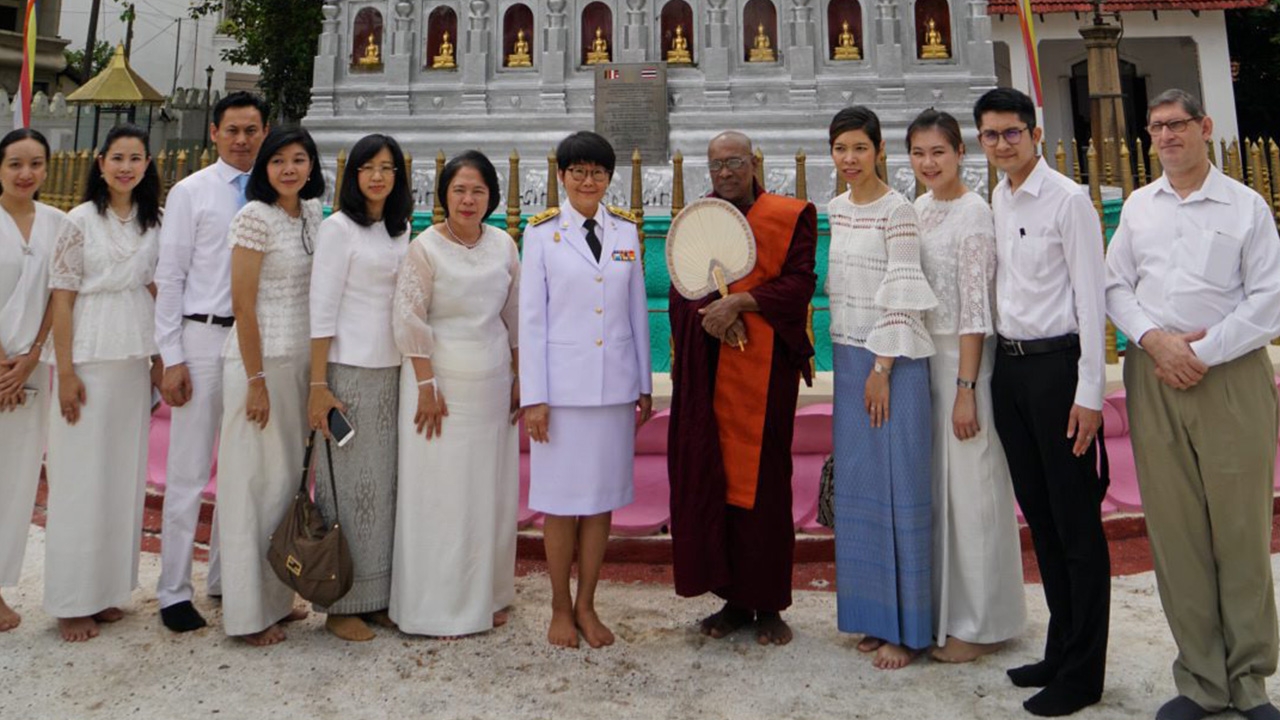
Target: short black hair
<point>585,146</point>
<point>146,194</point>
<point>858,117</point>
<point>1006,100</point>
<point>479,162</point>
<point>398,209</point>
<point>943,122</point>
<point>259,187</point>
<point>19,135</point>
<point>238,99</point>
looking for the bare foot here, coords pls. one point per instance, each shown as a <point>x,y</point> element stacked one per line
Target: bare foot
<point>9,618</point>
<point>870,644</point>
<point>893,657</point>
<point>348,627</point>
<point>593,630</point>
<point>771,629</point>
<point>270,636</point>
<point>77,629</point>
<point>563,632</point>
<point>381,619</point>
<point>725,621</point>
<point>959,651</point>
<point>110,615</point>
<point>294,615</point>
<point>500,618</point>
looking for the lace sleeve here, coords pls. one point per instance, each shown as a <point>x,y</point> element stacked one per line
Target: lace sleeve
<point>67,269</point>
<point>904,286</point>
<point>511,310</point>
<point>975,274</point>
<point>250,228</point>
<point>413,334</point>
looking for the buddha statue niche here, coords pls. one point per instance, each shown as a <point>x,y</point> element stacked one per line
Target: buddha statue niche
<point>679,52</point>
<point>846,45</point>
<point>933,48</point>
<point>445,60</point>
<point>599,52</point>
<point>762,49</point>
<point>372,55</point>
<point>519,56</point>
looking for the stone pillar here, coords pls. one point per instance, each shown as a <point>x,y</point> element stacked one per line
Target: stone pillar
<point>475,63</point>
<point>717,49</point>
<point>1106,104</point>
<point>328,55</point>
<point>635,35</point>
<point>800,55</point>
<point>890,50</point>
<point>979,53</point>
<point>554,65</point>
<point>396,68</point>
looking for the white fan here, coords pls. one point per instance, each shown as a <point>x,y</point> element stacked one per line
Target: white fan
<point>709,245</point>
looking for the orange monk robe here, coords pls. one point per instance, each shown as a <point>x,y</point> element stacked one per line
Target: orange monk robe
<point>737,538</point>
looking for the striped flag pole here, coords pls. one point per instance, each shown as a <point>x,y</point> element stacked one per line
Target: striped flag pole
<point>22,102</point>
<point>1027,24</point>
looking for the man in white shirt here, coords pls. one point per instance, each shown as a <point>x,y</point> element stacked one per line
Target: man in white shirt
<point>1047,395</point>
<point>1193,276</point>
<point>193,319</point>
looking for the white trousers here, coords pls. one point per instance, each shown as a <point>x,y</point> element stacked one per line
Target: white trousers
<point>193,433</point>
<point>22,439</point>
<point>97,482</point>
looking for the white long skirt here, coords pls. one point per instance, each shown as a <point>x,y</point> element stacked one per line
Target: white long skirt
<point>455,539</point>
<point>258,473</point>
<point>97,481</point>
<point>23,434</point>
<point>977,562</point>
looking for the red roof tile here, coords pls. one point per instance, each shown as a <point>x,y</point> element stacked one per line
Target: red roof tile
<point>1009,7</point>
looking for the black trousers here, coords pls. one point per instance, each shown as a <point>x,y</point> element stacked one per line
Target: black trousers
<point>1060,495</point>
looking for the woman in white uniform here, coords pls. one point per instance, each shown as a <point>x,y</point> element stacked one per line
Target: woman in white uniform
<point>977,563</point>
<point>264,382</point>
<point>28,230</point>
<point>104,340</point>
<point>455,322</point>
<point>584,325</point>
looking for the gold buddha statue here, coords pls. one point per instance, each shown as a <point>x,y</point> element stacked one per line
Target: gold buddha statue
<point>372,55</point>
<point>934,48</point>
<point>679,52</point>
<point>599,52</point>
<point>445,59</point>
<point>519,56</point>
<point>763,49</point>
<point>846,45</point>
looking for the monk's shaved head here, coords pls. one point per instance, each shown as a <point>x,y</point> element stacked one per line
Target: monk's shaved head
<point>731,140</point>
<point>733,167</point>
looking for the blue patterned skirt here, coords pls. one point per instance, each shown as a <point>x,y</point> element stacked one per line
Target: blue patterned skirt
<point>883,497</point>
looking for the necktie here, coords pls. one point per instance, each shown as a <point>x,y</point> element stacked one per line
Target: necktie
<point>593,242</point>
<point>242,182</point>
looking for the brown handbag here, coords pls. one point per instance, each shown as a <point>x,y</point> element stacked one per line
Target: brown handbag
<point>307,554</point>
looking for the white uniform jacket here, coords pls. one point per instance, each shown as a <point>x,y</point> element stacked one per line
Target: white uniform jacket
<point>584,325</point>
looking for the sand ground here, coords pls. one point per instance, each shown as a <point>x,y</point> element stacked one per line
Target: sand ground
<point>660,668</point>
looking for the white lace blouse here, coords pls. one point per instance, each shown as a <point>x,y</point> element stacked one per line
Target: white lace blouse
<point>878,292</point>
<point>108,262</point>
<point>958,254</point>
<point>459,301</point>
<point>286,244</point>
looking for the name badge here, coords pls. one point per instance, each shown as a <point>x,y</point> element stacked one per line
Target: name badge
<point>624,255</point>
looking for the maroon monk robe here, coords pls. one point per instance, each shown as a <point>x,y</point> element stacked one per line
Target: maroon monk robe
<point>744,556</point>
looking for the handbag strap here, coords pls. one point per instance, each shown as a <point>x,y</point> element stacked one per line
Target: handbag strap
<point>333,487</point>
<point>306,470</point>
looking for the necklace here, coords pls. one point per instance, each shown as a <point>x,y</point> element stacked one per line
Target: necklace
<point>468,245</point>
<point>133,213</point>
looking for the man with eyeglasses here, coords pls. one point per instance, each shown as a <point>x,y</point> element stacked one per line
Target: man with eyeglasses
<point>1047,390</point>
<point>733,409</point>
<point>193,319</point>
<point>1193,279</point>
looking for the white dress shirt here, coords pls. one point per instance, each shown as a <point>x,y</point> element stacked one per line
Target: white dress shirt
<point>1208,262</point>
<point>1050,272</point>
<point>193,276</point>
<point>353,284</point>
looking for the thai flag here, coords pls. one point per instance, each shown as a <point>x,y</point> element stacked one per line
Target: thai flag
<point>22,100</point>
<point>649,73</point>
<point>612,74</point>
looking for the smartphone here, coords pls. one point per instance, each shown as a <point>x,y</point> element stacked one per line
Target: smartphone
<point>340,427</point>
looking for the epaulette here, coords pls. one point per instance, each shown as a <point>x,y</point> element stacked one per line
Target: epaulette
<point>624,214</point>
<point>544,216</point>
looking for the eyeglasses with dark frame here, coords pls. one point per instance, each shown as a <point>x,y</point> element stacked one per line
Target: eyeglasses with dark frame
<point>734,164</point>
<point>579,173</point>
<point>1176,126</point>
<point>991,138</point>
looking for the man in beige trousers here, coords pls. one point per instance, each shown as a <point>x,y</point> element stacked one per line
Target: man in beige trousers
<point>1193,276</point>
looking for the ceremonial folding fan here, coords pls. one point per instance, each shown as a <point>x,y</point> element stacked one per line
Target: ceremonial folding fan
<point>709,246</point>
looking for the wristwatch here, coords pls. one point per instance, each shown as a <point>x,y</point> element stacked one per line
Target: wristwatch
<point>967,384</point>
<point>880,369</point>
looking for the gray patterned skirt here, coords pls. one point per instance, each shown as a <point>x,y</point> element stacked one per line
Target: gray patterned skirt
<point>365,474</point>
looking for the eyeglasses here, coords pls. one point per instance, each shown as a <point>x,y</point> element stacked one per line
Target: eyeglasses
<point>991,138</point>
<point>580,173</point>
<point>1176,126</point>
<point>377,170</point>
<point>734,164</point>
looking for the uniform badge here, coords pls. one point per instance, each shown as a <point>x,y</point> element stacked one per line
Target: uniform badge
<point>624,255</point>
<point>556,237</point>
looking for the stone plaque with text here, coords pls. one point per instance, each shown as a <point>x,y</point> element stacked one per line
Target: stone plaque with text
<point>631,109</point>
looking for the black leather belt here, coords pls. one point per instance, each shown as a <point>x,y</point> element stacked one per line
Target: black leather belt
<point>1038,347</point>
<point>218,320</point>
